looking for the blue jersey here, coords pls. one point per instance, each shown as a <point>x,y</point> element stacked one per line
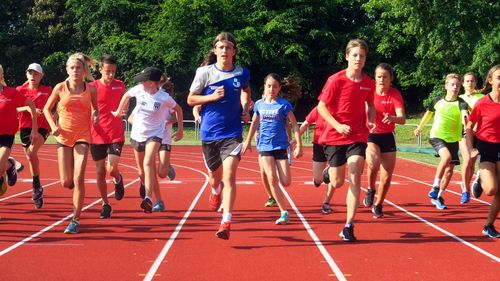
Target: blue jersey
<point>221,119</point>
<point>272,129</point>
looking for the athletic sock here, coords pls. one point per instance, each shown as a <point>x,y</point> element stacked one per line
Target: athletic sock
<point>36,181</point>
<point>462,186</point>
<point>226,217</point>
<point>437,182</point>
<point>440,193</point>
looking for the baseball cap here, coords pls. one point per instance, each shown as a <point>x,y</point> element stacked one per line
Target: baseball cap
<point>149,74</point>
<point>36,67</point>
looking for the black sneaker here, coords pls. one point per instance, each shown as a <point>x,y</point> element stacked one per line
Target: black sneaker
<point>37,197</point>
<point>326,208</point>
<point>147,205</point>
<point>477,189</point>
<point>11,172</point>
<point>119,189</point>
<point>326,176</point>
<point>106,211</point>
<point>368,201</point>
<point>490,231</point>
<point>377,211</point>
<point>347,233</point>
<point>142,190</point>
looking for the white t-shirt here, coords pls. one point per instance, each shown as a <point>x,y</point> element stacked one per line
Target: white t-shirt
<point>150,114</point>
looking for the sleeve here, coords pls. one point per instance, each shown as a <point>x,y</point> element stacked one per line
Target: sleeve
<point>287,107</point>
<point>433,103</point>
<point>312,116</point>
<point>462,104</point>
<point>246,78</point>
<point>329,91</point>
<point>256,107</point>
<point>171,103</point>
<point>398,100</point>
<point>199,81</point>
<point>134,91</point>
<point>19,98</point>
<point>474,115</point>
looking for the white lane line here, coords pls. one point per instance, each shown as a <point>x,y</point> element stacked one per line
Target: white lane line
<point>156,264</point>
<point>29,238</point>
<point>27,191</point>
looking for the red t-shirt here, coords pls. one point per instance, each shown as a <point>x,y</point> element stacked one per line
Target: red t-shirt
<point>109,128</point>
<point>388,103</point>
<point>346,101</point>
<point>39,97</point>
<point>314,117</point>
<point>10,100</point>
<point>486,113</point>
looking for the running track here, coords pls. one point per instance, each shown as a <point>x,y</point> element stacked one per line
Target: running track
<point>415,241</point>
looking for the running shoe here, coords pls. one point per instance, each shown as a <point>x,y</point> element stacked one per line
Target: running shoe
<point>284,219</point>
<point>347,233</point>
<point>223,232</point>
<point>73,227</point>
<point>370,194</point>
<point>433,193</point>
<point>477,189</point>
<point>142,190</point>
<point>270,202</point>
<point>171,173</point>
<point>3,186</point>
<point>439,203</point>
<point>147,205</point>
<point>316,184</point>
<point>214,201</point>
<point>19,167</point>
<point>159,206</point>
<point>106,211</point>
<point>326,208</point>
<point>377,211</point>
<point>326,176</point>
<point>289,155</point>
<point>11,172</point>
<point>119,189</point>
<point>37,197</point>
<point>465,198</point>
<point>490,231</point>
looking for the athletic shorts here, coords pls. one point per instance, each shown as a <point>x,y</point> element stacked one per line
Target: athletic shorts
<point>78,142</point>
<point>452,147</point>
<point>279,154</point>
<point>25,135</point>
<point>337,155</point>
<point>101,151</point>
<point>318,153</point>
<point>140,146</point>
<point>7,140</point>
<point>215,152</point>
<point>488,151</point>
<point>386,142</point>
<point>165,147</point>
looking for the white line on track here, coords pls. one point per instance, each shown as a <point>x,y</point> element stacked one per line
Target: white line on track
<point>156,264</point>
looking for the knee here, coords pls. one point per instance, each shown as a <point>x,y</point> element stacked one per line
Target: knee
<point>337,183</point>
<point>67,183</point>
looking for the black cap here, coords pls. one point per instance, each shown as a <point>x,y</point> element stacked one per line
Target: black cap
<point>149,74</point>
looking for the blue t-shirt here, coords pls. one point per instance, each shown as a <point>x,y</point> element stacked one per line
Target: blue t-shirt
<point>272,129</point>
<point>220,119</point>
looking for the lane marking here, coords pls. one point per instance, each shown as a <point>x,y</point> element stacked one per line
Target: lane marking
<point>163,253</point>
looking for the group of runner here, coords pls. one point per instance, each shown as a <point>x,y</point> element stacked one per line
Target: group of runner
<point>354,120</point>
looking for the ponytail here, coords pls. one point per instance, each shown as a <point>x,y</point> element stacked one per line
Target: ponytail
<point>87,62</point>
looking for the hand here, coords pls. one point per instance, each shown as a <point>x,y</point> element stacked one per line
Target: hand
<point>297,152</point>
<point>177,136</point>
<point>246,146</point>
<point>38,112</point>
<point>245,117</point>
<point>474,153</point>
<point>56,132</point>
<point>416,132</point>
<point>343,129</point>
<point>217,94</point>
<point>372,127</point>
<point>387,118</point>
<point>197,120</point>
<point>95,117</point>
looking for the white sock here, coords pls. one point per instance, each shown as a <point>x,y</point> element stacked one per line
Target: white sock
<point>348,224</point>
<point>217,190</point>
<point>226,217</point>
<point>437,182</point>
<point>283,212</point>
<point>462,186</point>
<point>441,191</point>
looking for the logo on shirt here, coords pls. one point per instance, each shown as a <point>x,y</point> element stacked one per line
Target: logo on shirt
<point>156,105</point>
<point>116,88</point>
<point>42,94</point>
<point>364,88</point>
<point>236,83</point>
<point>5,100</point>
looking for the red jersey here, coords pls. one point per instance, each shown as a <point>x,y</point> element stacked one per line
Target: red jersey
<point>486,113</point>
<point>315,117</point>
<point>346,101</point>
<point>388,103</point>
<point>109,128</point>
<point>10,100</point>
<point>39,97</point>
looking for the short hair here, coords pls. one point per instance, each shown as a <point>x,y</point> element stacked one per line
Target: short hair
<point>353,43</point>
<point>453,76</point>
<point>107,59</point>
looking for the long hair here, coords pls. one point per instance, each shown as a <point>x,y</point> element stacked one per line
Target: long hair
<point>492,70</point>
<point>211,58</point>
<point>291,89</point>
<point>2,81</point>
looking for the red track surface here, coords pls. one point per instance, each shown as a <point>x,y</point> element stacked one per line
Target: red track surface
<point>415,241</point>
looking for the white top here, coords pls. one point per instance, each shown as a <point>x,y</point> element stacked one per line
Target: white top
<point>150,114</point>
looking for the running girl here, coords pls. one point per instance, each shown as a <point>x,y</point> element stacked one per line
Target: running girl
<point>381,150</point>
<point>271,116</point>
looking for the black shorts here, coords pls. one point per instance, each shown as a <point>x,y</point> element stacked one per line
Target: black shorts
<point>101,151</point>
<point>318,153</point>
<point>215,152</point>
<point>452,147</point>
<point>386,142</point>
<point>337,155</point>
<point>25,135</point>
<point>279,154</point>
<point>140,146</point>
<point>488,151</point>
<point>165,147</point>
<point>7,140</point>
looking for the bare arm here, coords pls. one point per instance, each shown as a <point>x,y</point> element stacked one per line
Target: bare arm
<point>197,99</point>
<point>123,104</point>
<point>196,113</point>
<point>93,100</point>
<point>47,109</point>
<point>180,123</point>
<point>297,152</point>
<point>245,104</point>
<point>247,145</point>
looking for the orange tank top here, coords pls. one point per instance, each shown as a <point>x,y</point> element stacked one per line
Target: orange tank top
<point>74,112</point>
